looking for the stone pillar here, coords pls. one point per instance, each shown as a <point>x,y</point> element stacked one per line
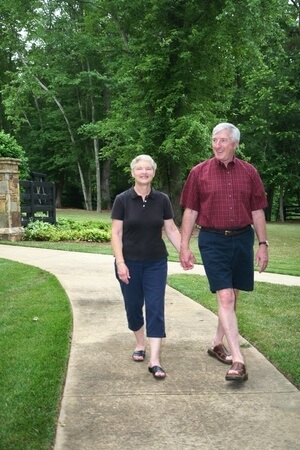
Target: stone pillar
<point>10,208</point>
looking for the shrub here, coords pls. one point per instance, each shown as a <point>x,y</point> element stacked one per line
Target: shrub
<point>9,148</point>
<point>67,230</point>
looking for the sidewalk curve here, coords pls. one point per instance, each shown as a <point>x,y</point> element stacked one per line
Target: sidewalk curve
<point>111,402</point>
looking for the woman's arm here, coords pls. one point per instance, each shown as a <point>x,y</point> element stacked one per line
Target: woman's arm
<point>117,245</point>
<point>174,237</point>
<point>172,233</point>
<point>116,239</point>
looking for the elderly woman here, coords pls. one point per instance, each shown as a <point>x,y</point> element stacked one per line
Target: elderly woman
<point>138,217</point>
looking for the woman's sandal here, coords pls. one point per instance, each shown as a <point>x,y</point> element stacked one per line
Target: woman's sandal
<point>139,355</point>
<point>240,375</point>
<point>157,369</point>
<point>221,353</point>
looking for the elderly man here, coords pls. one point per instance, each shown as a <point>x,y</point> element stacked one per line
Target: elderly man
<point>225,197</point>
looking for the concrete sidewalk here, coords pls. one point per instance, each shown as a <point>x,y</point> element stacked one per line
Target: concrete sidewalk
<point>111,402</point>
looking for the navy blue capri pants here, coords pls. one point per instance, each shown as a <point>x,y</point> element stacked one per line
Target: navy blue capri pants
<point>228,260</point>
<point>147,286</point>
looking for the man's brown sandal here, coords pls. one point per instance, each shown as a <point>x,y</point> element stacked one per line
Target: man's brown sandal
<point>240,375</point>
<point>221,353</point>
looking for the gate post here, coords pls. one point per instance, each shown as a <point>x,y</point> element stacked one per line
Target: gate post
<point>10,208</point>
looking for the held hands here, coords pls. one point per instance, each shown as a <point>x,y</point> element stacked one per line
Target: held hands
<point>187,259</point>
<point>262,258</point>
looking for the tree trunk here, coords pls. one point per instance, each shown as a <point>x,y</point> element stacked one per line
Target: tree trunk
<point>98,175</point>
<point>105,183</point>
<point>281,212</point>
<point>84,191</point>
<point>58,190</point>
<point>107,163</point>
<point>270,198</point>
<point>173,189</point>
<point>90,190</point>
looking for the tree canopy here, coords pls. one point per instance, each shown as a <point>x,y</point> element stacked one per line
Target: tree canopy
<point>86,85</point>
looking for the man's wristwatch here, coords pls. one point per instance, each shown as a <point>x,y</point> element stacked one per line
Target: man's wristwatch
<point>264,243</point>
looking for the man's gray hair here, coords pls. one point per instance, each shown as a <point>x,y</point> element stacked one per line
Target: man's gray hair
<point>234,131</point>
<point>139,158</point>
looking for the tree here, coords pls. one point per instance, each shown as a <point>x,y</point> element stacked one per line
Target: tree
<point>52,72</point>
<point>98,81</point>
<point>176,73</point>
<point>271,114</point>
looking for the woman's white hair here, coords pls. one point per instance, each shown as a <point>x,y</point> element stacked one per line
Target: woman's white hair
<point>234,131</point>
<point>139,158</point>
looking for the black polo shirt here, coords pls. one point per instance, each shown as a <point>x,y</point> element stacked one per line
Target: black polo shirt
<point>142,223</point>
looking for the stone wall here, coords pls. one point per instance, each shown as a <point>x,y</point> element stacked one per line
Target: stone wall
<point>10,208</point>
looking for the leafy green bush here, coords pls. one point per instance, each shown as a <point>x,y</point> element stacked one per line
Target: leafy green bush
<point>9,148</point>
<point>67,230</point>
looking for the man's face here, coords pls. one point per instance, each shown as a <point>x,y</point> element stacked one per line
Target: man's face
<point>223,147</point>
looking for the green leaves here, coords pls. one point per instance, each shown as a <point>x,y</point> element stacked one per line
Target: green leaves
<point>108,79</point>
<point>67,230</point>
<point>9,148</point>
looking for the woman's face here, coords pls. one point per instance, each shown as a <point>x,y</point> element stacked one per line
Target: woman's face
<point>143,173</point>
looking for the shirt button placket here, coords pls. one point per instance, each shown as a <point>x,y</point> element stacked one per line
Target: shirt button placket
<point>230,198</point>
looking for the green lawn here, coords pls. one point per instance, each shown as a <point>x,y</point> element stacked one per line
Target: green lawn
<point>35,331</point>
<point>284,249</point>
<point>35,327</point>
<point>268,318</point>
<point>81,215</point>
<point>284,241</point>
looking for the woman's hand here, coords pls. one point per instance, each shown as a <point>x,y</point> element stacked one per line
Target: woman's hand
<point>123,272</point>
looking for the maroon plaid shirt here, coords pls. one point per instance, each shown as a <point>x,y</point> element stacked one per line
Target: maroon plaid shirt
<point>224,196</point>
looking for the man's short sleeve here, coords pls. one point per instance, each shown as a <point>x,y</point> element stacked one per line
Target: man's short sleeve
<point>190,192</point>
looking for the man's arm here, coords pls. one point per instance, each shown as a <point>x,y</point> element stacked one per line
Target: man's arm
<point>259,223</point>
<point>187,259</point>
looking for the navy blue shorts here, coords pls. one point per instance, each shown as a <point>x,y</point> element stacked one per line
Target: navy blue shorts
<point>147,286</point>
<point>228,260</point>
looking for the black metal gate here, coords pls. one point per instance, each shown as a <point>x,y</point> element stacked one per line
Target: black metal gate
<point>37,201</point>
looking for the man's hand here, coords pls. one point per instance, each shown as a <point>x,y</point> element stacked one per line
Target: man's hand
<point>262,258</point>
<point>187,259</point>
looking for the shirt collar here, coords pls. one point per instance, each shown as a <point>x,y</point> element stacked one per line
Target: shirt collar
<point>134,195</point>
<point>222,165</point>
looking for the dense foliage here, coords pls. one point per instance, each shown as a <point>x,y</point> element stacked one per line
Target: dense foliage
<point>9,148</point>
<point>88,85</point>
<point>67,230</point>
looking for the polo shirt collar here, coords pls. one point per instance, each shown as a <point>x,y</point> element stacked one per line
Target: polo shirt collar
<point>134,195</point>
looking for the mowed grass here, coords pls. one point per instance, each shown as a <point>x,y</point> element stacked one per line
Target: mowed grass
<point>284,238</point>
<point>268,318</point>
<point>36,323</point>
<point>284,249</point>
<point>81,215</point>
<point>35,332</point>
